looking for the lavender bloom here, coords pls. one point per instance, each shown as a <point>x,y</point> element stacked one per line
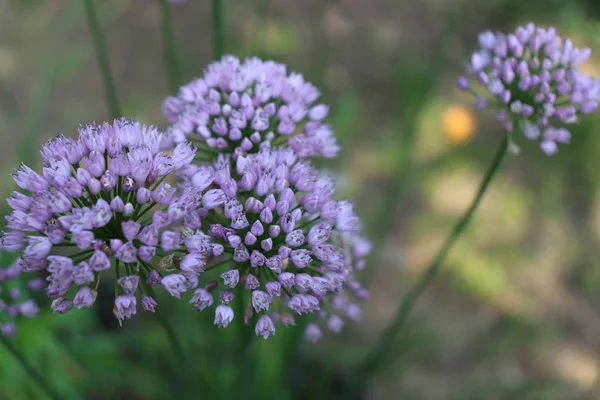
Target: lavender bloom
<point>93,196</point>
<point>532,78</point>
<point>223,315</point>
<point>313,333</point>
<point>13,300</point>
<point>265,327</point>
<point>240,107</point>
<point>125,307</point>
<point>300,250</point>
<point>148,303</point>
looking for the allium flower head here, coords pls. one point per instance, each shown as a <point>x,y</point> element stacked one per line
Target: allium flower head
<point>240,107</point>
<point>90,210</point>
<point>14,301</point>
<point>285,240</point>
<point>531,78</point>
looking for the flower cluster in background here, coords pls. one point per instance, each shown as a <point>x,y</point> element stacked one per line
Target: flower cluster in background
<point>14,301</point>
<point>241,107</point>
<point>531,78</point>
<point>155,210</point>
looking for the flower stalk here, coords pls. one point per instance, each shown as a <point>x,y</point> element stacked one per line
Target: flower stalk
<point>174,342</point>
<point>217,14</point>
<point>110,91</point>
<point>169,48</point>
<point>377,357</point>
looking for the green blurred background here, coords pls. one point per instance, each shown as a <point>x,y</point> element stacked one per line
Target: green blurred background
<point>515,313</point>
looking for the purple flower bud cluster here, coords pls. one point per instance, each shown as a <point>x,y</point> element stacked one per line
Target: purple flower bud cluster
<point>242,107</point>
<point>531,78</point>
<point>89,211</point>
<point>285,240</point>
<point>254,215</point>
<point>14,301</point>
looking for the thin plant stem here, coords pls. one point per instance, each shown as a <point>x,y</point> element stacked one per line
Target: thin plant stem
<point>217,14</point>
<point>169,48</point>
<point>377,356</point>
<point>110,91</point>
<point>263,8</point>
<point>173,340</point>
<point>35,375</point>
<point>245,332</point>
<point>175,343</point>
<point>246,359</point>
<point>186,370</point>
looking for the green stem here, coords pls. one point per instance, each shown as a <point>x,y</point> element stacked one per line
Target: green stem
<point>169,48</point>
<point>142,213</point>
<point>263,8</point>
<point>110,91</point>
<point>175,343</point>
<point>173,340</point>
<point>37,377</point>
<point>376,357</point>
<point>217,13</point>
<point>245,358</point>
<point>64,244</point>
<point>213,266</point>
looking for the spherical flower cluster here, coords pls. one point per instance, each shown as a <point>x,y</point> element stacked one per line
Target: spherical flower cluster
<point>13,298</point>
<point>286,240</point>
<point>89,209</point>
<point>241,107</point>
<point>532,78</point>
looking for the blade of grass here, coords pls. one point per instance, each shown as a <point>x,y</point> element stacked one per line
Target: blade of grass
<point>169,48</point>
<point>217,14</point>
<point>8,103</point>
<point>110,91</point>
<point>35,375</point>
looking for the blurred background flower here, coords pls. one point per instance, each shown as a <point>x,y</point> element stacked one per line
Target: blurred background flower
<point>458,124</point>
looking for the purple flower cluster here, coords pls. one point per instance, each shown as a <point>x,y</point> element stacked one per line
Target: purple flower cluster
<point>249,219</point>
<point>13,301</point>
<point>532,78</point>
<point>285,240</point>
<point>242,107</point>
<point>92,201</point>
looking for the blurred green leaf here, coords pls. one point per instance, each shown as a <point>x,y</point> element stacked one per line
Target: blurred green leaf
<point>8,103</point>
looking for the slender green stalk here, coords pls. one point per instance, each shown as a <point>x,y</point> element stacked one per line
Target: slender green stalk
<point>173,340</point>
<point>263,8</point>
<point>110,91</point>
<point>187,378</point>
<point>169,48</point>
<point>35,375</point>
<point>376,358</point>
<point>217,13</point>
<point>175,343</point>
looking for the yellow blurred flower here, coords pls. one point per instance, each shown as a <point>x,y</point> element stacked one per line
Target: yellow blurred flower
<point>458,124</point>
